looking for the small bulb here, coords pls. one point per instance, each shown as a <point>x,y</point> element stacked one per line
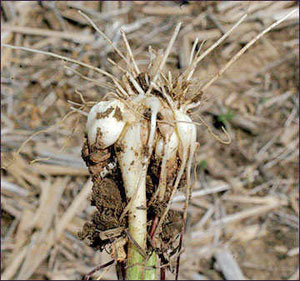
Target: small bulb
<point>105,123</point>
<point>187,132</point>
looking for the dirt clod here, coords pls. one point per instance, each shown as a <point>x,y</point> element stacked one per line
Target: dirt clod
<point>104,114</point>
<point>107,195</point>
<point>118,114</point>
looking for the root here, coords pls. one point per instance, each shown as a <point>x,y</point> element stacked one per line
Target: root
<point>228,141</point>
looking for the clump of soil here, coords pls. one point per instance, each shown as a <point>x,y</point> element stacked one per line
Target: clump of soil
<point>107,198</point>
<point>108,195</point>
<point>153,180</point>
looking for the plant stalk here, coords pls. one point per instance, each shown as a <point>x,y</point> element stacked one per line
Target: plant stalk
<point>150,273</point>
<point>134,172</point>
<point>137,221</point>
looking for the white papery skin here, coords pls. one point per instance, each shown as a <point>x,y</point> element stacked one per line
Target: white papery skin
<point>110,127</point>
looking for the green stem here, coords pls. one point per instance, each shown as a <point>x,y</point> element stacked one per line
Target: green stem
<point>135,264</point>
<point>134,173</point>
<point>136,271</point>
<point>137,220</point>
<point>150,274</point>
<point>134,166</point>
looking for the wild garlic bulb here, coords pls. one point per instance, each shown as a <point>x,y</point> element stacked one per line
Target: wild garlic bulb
<point>187,133</point>
<point>105,123</point>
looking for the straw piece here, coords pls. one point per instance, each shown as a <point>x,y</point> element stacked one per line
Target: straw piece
<point>12,268</point>
<point>228,265</point>
<point>256,211</point>
<point>58,170</point>
<point>203,192</point>
<point>79,38</point>
<point>166,11</point>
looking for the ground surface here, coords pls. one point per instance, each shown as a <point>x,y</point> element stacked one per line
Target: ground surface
<point>245,202</point>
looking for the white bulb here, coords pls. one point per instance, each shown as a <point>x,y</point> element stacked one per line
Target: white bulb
<point>187,132</point>
<point>107,118</point>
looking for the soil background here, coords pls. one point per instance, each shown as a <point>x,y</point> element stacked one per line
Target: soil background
<point>244,213</point>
